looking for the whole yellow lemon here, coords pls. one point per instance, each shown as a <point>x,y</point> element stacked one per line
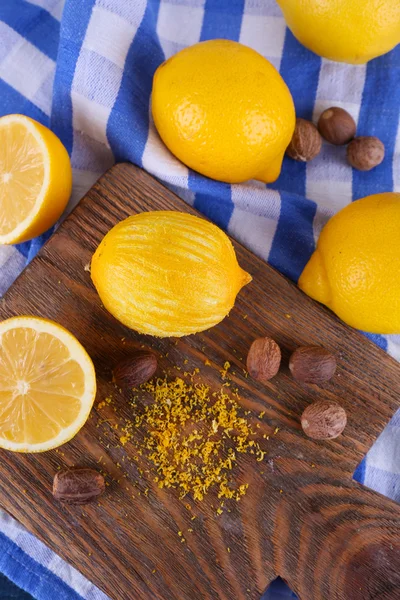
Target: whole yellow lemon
<point>355,269</point>
<point>224,111</point>
<point>167,273</point>
<point>351,31</point>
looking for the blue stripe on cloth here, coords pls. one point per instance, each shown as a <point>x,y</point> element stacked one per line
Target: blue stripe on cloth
<point>379,340</point>
<point>359,473</point>
<point>14,102</point>
<point>213,198</point>
<point>33,23</point>
<point>9,591</point>
<point>383,74</point>
<point>294,238</point>
<point>293,242</point>
<point>278,590</point>
<point>31,576</point>
<point>303,83</point>
<point>222,19</point>
<point>30,249</point>
<point>131,109</point>
<point>72,34</point>
<point>379,115</point>
<point>300,69</point>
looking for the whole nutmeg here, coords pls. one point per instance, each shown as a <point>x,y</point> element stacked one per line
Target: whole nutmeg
<point>78,486</point>
<point>337,126</point>
<point>306,142</point>
<point>323,420</point>
<point>263,359</point>
<point>138,368</point>
<point>365,152</point>
<point>312,364</point>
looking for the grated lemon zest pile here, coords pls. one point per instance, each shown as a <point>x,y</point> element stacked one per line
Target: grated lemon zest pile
<point>193,437</point>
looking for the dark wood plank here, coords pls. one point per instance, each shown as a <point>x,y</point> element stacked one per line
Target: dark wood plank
<point>302,518</point>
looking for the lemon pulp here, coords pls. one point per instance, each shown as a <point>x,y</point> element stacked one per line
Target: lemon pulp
<point>35,179</point>
<point>47,384</point>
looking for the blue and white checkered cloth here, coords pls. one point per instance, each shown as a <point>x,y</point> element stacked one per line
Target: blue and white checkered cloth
<point>85,69</point>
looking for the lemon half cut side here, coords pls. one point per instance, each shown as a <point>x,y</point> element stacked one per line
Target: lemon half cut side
<point>47,385</point>
<point>35,179</point>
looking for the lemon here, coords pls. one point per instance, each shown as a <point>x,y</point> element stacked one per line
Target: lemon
<point>351,31</point>
<point>224,111</point>
<point>167,273</point>
<point>35,179</point>
<point>355,269</point>
<point>47,385</point>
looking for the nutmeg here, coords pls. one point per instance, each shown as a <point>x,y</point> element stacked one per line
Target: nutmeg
<point>323,420</point>
<point>365,152</point>
<point>78,486</point>
<point>263,359</point>
<point>312,364</point>
<point>138,368</point>
<point>306,142</point>
<point>337,126</point>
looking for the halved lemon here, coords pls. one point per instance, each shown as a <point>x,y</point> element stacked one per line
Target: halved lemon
<point>35,179</point>
<point>47,385</point>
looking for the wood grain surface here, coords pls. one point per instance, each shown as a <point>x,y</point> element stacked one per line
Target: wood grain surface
<point>303,517</point>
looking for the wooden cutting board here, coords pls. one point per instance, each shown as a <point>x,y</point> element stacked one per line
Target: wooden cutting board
<point>303,517</point>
